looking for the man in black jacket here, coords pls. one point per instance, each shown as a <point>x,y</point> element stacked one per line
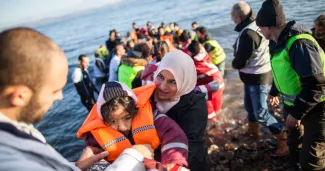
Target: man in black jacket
<point>82,81</point>
<point>111,42</point>
<point>251,53</point>
<point>298,69</point>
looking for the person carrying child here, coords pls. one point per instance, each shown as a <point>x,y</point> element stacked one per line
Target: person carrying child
<point>122,118</point>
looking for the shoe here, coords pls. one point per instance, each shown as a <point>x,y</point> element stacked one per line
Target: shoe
<point>253,129</point>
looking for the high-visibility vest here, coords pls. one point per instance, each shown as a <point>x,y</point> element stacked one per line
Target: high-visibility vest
<point>285,77</point>
<point>103,52</point>
<point>126,74</point>
<point>218,55</point>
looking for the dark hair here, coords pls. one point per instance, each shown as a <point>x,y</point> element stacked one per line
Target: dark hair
<point>112,31</point>
<point>320,20</point>
<point>128,43</point>
<point>194,22</point>
<point>128,34</point>
<point>203,30</point>
<point>81,56</point>
<point>125,101</point>
<point>163,47</point>
<point>209,48</point>
<point>184,36</point>
<point>194,48</point>
<point>143,48</point>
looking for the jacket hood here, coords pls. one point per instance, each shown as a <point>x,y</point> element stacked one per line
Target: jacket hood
<point>149,71</point>
<point>292,29</point>
<point>131,61</point>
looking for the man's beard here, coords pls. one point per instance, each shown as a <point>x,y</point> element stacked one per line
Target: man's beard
<point>32,113</point>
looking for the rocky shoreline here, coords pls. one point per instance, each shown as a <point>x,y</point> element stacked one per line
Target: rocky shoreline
<point>229,149</point>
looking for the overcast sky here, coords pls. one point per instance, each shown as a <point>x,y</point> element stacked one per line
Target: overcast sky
<point>14,12</point>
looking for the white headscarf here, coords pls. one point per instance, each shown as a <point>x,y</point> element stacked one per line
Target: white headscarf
<point>183,69</point>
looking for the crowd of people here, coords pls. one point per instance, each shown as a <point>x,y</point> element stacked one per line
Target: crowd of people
<point>159,86</point>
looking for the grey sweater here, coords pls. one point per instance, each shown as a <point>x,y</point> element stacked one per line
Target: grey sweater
<point>19,152</point>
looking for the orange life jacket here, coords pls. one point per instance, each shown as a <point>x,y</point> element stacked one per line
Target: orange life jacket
<point>134,36</point>
<point>169,40</point>
<point>111,140</point>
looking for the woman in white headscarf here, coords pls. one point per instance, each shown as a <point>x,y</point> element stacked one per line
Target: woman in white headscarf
<point>175,96</point>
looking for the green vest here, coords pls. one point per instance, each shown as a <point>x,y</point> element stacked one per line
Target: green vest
<point>285,77</point>
<point>126,74</point>
<point>217,55</point>
<point>103,53</point>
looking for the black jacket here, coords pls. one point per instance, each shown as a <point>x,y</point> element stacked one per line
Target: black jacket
<point>86,87</point>
<point>306,61</point>
<point>110,44</point>
<point>191,114</point>
<point>249,41</point>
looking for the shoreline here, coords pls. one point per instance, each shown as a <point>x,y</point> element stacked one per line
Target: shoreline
<point>229,149</point>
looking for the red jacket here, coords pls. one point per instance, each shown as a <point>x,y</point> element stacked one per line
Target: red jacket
<point>148,73</point>
<point>185,48</point>
<point>207,72</point>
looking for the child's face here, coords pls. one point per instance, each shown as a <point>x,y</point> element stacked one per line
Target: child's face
<point>120,120</point>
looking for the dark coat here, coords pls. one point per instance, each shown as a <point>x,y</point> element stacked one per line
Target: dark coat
<point>305,59</point>
<point>191,114</point>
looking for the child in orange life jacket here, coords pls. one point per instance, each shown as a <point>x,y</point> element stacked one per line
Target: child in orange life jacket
<point>209,78</point>
<point>122,118</point>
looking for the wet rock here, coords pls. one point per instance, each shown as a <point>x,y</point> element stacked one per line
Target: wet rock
<point>219,167</point>
<point>229,155</point>
<point>228,147</point>
<point>224,161</point>
<point>244,146</point>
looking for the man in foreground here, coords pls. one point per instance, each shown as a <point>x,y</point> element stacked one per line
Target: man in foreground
<point>28,89</point>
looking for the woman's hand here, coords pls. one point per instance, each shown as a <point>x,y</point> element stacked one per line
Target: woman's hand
<point>90,156</point>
